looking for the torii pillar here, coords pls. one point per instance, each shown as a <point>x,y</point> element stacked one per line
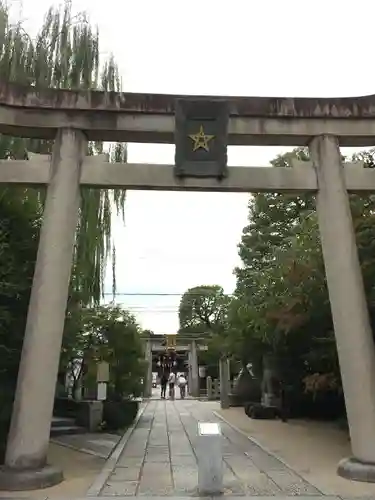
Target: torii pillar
<point>193,370</point>
<point>26,465</point>
<point>350,314</point>
<point>147,387</point>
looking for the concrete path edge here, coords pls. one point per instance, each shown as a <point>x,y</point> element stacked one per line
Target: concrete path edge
<point>100,480</point>
<point>84,450</point>
<point>264,448</point>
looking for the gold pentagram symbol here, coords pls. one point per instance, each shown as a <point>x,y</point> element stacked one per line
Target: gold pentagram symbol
<point>201,140</point>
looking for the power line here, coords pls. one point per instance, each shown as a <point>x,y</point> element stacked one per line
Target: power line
<point>142,294</point>
<point>169,305</point>
<point>158,305</point>
<point>145,309</point>
<point>151,311</point>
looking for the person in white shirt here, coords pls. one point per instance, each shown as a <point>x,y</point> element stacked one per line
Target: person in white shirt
<point>182,385</point>
<point>171,381</point>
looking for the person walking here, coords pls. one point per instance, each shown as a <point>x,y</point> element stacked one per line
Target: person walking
<point>172,381</point>
<point>182,385</point>
<point>163,384</point>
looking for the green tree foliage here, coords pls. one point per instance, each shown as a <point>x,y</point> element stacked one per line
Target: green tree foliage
<point>147,334</point>
<point>19,234</point>
<point>66,54</point>
<point>105,333</point>
<point>202,309</point>
<point>281,305</point>
<point>272,217</point>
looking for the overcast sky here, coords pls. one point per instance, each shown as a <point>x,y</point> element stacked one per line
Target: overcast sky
<point>172,241</point>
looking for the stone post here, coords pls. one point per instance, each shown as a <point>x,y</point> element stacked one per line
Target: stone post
<point>209,388</point>
<point>189,372</point>
<point>147,391</point>
<point>216,388</point>
<point>224,383</point>
<point>270,390</point>
<point>28,440</point>
<point>210,459</point>
<point>194,369</point>
<point>78,390</point>
<point>349,308</point>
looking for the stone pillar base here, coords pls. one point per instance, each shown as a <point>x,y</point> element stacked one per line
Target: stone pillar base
<point>29,479</point>
<point>355,470</point>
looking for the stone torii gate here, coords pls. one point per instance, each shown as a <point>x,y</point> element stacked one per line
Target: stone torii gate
<point>183,344</point>
<point>72,118</point>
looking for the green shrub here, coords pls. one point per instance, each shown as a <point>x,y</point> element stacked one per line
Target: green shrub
<point>65,407</point>
<point>119,414</point>
<point>5,415</point>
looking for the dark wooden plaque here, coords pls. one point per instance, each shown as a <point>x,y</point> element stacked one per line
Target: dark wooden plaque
<point>201,136</point>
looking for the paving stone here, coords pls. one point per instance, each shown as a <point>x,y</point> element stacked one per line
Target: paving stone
<point>228,472</point>
<point>151,491</point>
<point>292,484</point>
<point>177,443</point>
<point>183,497</point>
<point>101,446</point>
<point>141,445</point>
<point>154,450</point>
<point>137,444</point>
<point>178,440</point>
<point>252,480</point>
<point>126,461</point>
<point>283,497</point>
<point>120,488</point>
<point>135,452</point>
<point>183,460</point>
<point>258,483</point>
<point>331,497</point>
<point>158,442</point>
<point>159,471</point>
<point>140,437</point>
<point>156,479</point>
<point>144,425</point>
<point>125,474</point>
<point>185,479</point>
<point>234,488</point>
<point>182,451</point>
<point>241,465</point>
<point>264,461</point>
<point>160,460</point>
<point>137,441</point>
<point>157,455</point>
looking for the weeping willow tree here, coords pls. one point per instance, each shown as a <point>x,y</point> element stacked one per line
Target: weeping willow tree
<point>65,54</point>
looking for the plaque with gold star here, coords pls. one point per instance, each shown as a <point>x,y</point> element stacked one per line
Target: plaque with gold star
<point>201,137</point>
<point>171,341</point>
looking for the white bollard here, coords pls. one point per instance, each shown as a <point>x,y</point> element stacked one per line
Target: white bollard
<point>210,459</point>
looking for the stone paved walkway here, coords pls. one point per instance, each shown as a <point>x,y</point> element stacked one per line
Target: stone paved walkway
<point>160,458</point>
